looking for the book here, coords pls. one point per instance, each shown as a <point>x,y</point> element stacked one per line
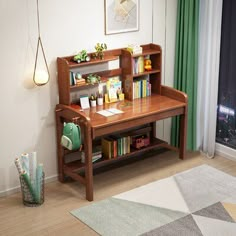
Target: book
<point>114,87</point>
<point>80,81</point>
<point>107,148</point>
<point>114,139</point>
<point>96,154</point>
<point>94,157</point>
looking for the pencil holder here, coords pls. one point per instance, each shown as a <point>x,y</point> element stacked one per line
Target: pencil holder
<point>32,193</point>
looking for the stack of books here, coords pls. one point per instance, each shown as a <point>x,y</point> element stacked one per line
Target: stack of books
<point>75,79</point>
<point>96,155</point>
<point>80,81</point>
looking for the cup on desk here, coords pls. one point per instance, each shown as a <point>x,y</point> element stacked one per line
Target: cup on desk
<point>93,103</point>
<point>100,101</point>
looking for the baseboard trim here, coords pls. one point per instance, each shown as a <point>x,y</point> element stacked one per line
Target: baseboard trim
<point>16,189</point>
<point>225,151</point>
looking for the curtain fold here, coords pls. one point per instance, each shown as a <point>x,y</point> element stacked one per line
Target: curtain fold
<point>186,66</point>
<point>208,74</point>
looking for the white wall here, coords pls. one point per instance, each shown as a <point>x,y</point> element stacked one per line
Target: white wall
<point>27,112</point>
<point>164,29</point>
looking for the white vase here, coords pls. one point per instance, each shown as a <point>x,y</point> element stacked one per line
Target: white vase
<point>93,103</point>
<point>100,101</point>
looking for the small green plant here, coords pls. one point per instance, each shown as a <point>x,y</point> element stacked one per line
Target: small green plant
<point>100,50</point>
<point>92,97</point>
<point>93,79</point>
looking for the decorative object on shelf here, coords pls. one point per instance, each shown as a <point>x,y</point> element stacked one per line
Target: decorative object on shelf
<point>79,79</point>
<point>114,90</point>
<point>40,77</point>
<point>93,79</point>
<point>113,86</point>
<point>147,64</point>
<point>82,56</point>
<point>121,16</point>
<point>135,49</point>
<point>121,96</point>
<point>100,50</point>
<point>78,75</point>
<point>140,141</point>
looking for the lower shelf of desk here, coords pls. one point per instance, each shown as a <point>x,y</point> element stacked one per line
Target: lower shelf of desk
<point>77,166</point>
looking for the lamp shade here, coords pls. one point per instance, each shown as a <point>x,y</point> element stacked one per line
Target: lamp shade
<point>41,77</point>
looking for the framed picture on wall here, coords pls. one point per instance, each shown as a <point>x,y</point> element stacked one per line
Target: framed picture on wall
<point>121,16</point>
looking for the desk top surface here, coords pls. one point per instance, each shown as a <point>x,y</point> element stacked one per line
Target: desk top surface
<point>136,109</point>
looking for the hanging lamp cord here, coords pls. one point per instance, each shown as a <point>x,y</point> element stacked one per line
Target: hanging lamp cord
<point>39,44</point>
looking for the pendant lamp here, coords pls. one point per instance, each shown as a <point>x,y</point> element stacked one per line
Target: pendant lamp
<point>40,77</point>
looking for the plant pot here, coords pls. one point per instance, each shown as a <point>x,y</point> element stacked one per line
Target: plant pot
<point>93,103</point>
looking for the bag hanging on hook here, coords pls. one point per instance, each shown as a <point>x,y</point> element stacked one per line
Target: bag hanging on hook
<point>71,137</point>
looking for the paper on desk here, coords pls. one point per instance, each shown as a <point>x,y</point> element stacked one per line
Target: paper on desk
<point>105,113</point>
<point>115,111</point>
<point>110,112</point>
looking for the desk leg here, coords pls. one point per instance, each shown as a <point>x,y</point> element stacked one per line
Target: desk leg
<point>60,151</point>
<point>89,164</point>
<point>183,135</point>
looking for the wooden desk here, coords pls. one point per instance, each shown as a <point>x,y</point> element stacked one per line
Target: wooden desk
<point>137,112</point>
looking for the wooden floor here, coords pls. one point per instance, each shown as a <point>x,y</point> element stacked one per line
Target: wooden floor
<point>53,217</point>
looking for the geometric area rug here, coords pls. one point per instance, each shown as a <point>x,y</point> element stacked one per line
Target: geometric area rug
<point>199,201</point>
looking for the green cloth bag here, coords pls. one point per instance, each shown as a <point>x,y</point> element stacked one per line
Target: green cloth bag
<point>71,138</point>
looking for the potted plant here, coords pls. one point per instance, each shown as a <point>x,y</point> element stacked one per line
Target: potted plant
<point>93,79</point>
<point>92,99</point>
<point>100,50</point>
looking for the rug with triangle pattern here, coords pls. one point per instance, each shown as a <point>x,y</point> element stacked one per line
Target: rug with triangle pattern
<point>199,201</point>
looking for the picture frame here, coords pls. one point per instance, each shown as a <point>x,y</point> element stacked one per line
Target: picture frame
<point>84,101</point>
<point>121,16</point>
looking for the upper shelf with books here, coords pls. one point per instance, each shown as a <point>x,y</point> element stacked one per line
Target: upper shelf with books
<point>140,81</point>
<point>124,66</point>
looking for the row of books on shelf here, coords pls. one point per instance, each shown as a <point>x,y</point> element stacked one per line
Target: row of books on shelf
<point>141,88</point>
<point>114,146</point>
<point>117,145</point>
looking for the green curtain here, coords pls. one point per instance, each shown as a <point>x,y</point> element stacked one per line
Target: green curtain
<point>186,65</point>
